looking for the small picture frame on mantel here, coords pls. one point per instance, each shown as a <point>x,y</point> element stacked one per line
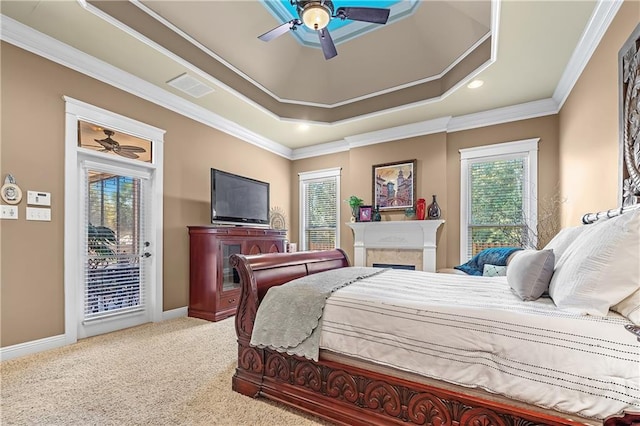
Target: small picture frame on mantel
<point>365,214</point>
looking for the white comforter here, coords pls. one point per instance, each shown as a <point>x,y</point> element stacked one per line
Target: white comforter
<point>473,331</point>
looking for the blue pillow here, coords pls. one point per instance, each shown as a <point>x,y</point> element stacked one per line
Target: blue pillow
<point>492,256</point>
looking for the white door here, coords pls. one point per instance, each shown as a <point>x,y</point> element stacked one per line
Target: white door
<point>116,279</point>
<point>113,221</point>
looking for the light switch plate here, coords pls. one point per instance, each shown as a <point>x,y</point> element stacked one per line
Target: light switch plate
<point>37,198</point>
<point>8,212</point>
<point>36,213</point>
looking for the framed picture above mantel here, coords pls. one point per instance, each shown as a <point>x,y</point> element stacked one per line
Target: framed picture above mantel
<point>394,185</point>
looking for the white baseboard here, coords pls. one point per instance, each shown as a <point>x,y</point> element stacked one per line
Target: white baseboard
<point>35,346</point>
<point>175,313</point>
<point>32,347</point>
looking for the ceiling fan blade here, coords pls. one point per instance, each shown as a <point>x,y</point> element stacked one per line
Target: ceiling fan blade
<point>279,30</point>
<point>328,48</point>
<point>364,14</point>
<point>127,154</point>
<point>133,148</point>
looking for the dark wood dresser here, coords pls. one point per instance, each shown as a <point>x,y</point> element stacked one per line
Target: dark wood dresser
<point>214,286</point>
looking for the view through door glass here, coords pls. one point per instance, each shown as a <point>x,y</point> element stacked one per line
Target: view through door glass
<point>115,245</point>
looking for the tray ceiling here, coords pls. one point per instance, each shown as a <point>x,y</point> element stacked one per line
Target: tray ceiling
<point>411,70</point>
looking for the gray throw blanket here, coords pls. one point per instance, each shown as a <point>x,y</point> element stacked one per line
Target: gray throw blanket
<point>289,316</point>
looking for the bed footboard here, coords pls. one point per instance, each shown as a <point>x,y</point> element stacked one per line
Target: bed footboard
<point>257,274</point>
<point>350,395</point>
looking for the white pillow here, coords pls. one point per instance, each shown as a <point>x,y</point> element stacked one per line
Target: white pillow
<point>600,268</point>
<point>529,273</point>
<point>563,240</point>
<point>630,307</point>
<point>494,270</point>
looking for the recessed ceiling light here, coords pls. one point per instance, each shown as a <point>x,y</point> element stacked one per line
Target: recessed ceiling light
<point>303,127</point>
<point>475,84</point>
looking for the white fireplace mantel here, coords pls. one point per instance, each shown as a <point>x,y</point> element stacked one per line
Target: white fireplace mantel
<point>396,235</point>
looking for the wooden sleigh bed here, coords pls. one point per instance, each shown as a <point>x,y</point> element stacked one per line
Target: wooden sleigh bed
<point>358,394</point>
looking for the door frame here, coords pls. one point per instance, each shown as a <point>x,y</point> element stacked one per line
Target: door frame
<point>76,110</point>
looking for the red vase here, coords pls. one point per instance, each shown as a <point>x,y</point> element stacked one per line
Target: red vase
<point>421,208</point>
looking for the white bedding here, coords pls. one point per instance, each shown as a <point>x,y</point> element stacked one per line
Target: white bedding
<point>487,338</point>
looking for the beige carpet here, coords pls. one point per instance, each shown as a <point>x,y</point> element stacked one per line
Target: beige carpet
<point>176,372</point>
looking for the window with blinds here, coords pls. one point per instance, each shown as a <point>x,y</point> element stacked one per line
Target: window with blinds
<point>319,209</point>
<point>113,274</point>
<point>498,207</point>
<point>497,204</point>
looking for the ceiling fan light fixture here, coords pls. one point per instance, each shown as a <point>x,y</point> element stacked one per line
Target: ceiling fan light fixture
<point>316,16</point>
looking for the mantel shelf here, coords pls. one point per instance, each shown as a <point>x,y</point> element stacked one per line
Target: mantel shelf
<point>396,235</point>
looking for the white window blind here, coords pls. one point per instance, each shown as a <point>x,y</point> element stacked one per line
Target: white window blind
<point>497,204</point>
<point>498,193</point>
<point>114,277</point>
<point>319,209</point>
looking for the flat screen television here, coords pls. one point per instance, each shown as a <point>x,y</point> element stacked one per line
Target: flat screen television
<point>238,200</point>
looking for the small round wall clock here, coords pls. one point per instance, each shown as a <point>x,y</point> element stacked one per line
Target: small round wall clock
<point>10,192</point>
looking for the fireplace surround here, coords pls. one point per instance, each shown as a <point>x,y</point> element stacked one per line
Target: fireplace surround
<point>407,242</point>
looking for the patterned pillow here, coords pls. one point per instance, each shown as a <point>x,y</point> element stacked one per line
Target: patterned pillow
<point>494,271</point>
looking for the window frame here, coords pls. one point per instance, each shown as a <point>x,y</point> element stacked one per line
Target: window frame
<point>305,178</point>
<point>527,149</point>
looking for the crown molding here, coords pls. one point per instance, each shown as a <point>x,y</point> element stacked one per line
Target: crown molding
<point>422,128</point>
<point>33,41</point>
<point>492,117</point>
<point>597,26</point>
<point>320,149</point>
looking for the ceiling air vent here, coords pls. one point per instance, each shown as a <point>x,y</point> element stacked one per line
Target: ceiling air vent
<point>190,85</point>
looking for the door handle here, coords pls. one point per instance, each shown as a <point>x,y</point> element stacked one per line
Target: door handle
<point>146,253</point>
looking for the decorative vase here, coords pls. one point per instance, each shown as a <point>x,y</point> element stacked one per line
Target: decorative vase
<point>376,215</point>
<point>421,206</point>
<point>354,214</point>
<point>433,211</point>
<point>410,213</point>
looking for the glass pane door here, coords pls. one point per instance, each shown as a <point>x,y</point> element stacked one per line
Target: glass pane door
<point>115,245</point>
<point>230,277</point>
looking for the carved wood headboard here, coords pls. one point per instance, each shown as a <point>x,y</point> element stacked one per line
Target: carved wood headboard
<point>629,77</point>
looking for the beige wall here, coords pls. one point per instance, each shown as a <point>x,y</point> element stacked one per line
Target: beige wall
<point>545,128</point>
<point>438,172</point>
<point>430,153</point>
<point>341,160</point>
<point>357,176</point>
<point>589,126</point>
<point>32,149</point>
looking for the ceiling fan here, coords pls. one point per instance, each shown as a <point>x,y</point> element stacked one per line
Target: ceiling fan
<point>109,144</point>
<point>316,15</point>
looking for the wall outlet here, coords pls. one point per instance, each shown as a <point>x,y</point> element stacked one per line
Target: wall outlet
<point>8,212</point>
<point>35,213</point>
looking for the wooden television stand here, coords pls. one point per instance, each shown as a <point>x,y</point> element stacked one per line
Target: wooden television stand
<point>214,286</point>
